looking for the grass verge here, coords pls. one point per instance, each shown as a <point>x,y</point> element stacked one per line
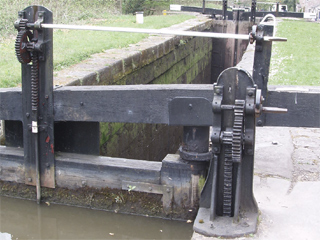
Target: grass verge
<point>297,61</point>
<point>71,46</point>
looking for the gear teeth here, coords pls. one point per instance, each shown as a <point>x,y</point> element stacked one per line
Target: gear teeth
<point>227,185</point>
<point>22,40</point>
<point>237,130</point>
<point>233,152</point>
<point>23,24</point>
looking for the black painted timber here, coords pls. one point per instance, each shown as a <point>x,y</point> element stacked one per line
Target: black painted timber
<point>150,104</point>
<point>303,108</point>
<point>209,11</point>
<point>10,104</point>
<point>130,103</point>
<point>102,171</point>
<point>245,15</point>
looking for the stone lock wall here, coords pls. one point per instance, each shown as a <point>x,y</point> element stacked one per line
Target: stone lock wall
<point>189,61</point>
<point>158,59</point>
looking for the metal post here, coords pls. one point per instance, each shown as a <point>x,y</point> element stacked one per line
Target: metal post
<point>253,10</point>
<point>261,65</point>
<point>195,150</point>
<point>37,97</point>
<point>203,6</point>
<point>224,9</point>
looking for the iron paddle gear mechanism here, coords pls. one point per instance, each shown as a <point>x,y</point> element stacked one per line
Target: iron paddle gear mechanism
<point>33,48</point>
<point>227,204</point>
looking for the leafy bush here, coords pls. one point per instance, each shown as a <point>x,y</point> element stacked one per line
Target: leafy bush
<point>149,7</point>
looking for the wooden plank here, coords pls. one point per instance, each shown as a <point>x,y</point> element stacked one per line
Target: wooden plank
<point>10,104</point>
<point>77,170</point>
<point>303,108</point>
<point>11,164</point>
<point>125,103</point>
<point>129,103</point>
<point>149,104</point>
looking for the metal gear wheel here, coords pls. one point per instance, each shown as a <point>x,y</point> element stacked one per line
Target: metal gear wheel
<point>22,40</point>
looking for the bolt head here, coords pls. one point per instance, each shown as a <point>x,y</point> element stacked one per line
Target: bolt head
<point>29,179</point>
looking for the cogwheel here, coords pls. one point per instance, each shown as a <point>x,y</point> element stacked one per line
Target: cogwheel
<point>22,40</point>
<point>23,23</point>
<point>237,131</point>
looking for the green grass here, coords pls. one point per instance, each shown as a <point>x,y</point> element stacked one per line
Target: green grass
<point>297,61</point>
<point>71,46</point>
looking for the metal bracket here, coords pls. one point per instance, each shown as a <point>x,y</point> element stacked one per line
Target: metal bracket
<point>196,110</point>
<point>37,24</point>
<point>166,191</point>
<point>21,15</point>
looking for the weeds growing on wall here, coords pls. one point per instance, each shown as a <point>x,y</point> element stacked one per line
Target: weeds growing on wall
<point>148,7</point>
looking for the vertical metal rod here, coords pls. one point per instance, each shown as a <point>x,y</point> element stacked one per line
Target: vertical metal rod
<point>38,183</point>
<point>203,6</point>
<point>237,195</point>
<point>34,103</point>
<point>214,188</point>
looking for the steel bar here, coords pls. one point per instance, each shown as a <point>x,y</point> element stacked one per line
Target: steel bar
<point>274,110</point>
<point>237,195</point>
<point>214,188</point>
<point>38,181</point>
<point>151,31</point>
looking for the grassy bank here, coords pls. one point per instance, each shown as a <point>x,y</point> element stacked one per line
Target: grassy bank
<point>297,61</point>
<point>63,11</point>
<point>71,47</point>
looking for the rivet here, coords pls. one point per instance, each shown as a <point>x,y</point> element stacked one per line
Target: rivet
<point>27,115</point>
<point>190,106</point>
<point>250,94</point>
<point>29,179</point>
<point>81,103</point>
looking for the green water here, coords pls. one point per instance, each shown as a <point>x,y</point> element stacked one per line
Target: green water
<point>21,219</point>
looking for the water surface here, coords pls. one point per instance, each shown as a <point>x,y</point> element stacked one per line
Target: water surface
<point>22,219</point>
